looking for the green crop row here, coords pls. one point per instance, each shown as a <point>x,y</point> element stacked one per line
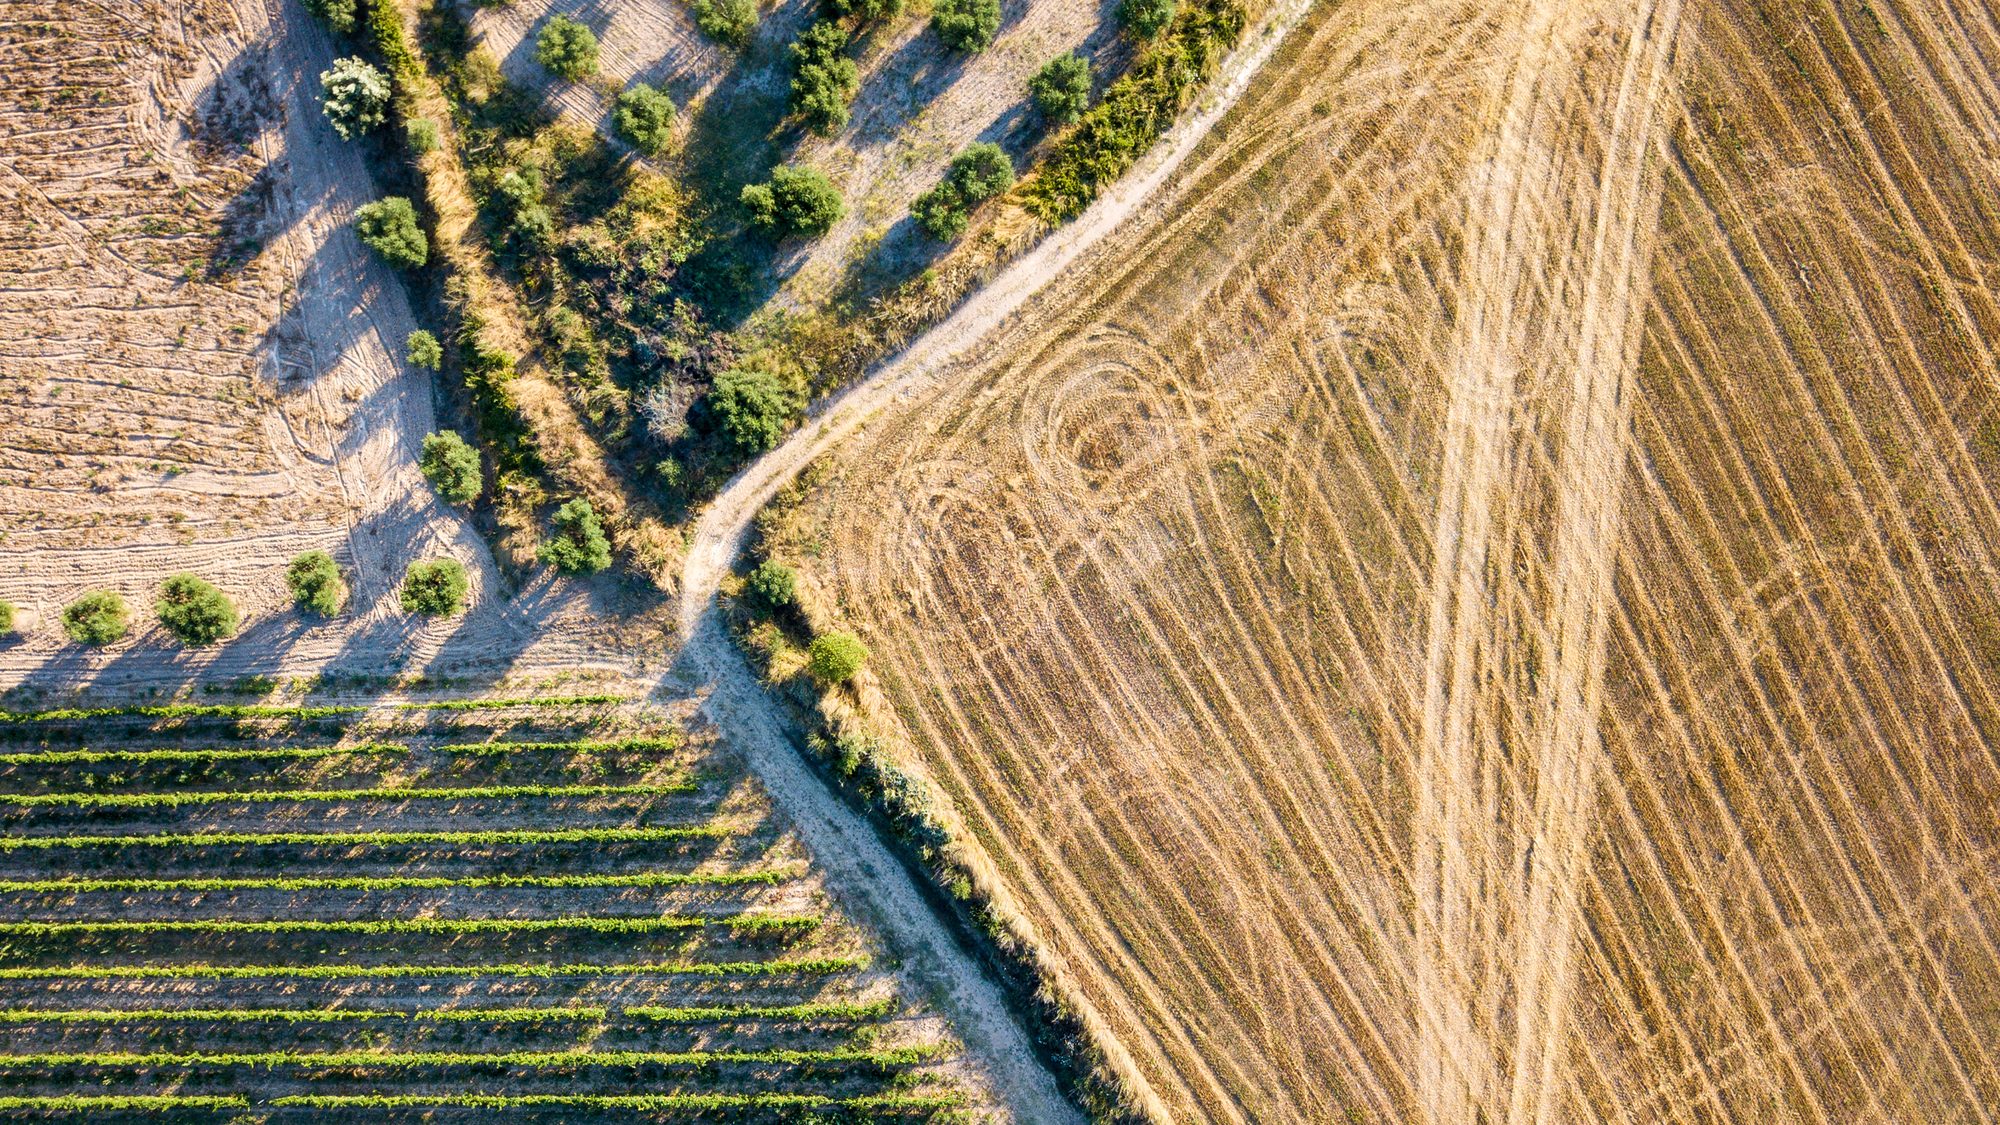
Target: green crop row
<point>472,837</point>
<point>399,1060</point>
<point>804,966</point>
<point>587,746</point>
<point>639,1102</point>
<point>298,711</point>
<point>296,1015</point>
<point>599,924</point>
<point>877,1009</point>
<point>113,1103</point>
<point>211,754</point>
<point>394,882</point>
<point>383,793</point>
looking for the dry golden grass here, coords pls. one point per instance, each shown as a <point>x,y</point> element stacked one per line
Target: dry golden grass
<point>1480,606</point>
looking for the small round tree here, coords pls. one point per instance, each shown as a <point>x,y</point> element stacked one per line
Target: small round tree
<point>824,79</point>
<point>644,116</point>
<point>1145,18</point>
<point>6,618</point>
<point>451,466</point>
<point>434,588</point>
<point>1061,89</point>
<point>354,96</point>
<point>835,657</point>
<point>579,545</point>
<point>338,14</point>
<point>771,586</point>
<point>316,585</point>
<point>567,48</point>
<point>390,228</point>
<point>755,405</point>
<point>97,618</point>
<point>728,22</point>
<point>194,611</point>
<point>796,201</point>
<point>982,171</point>
<point>423,350</point>
<point>966,25</point>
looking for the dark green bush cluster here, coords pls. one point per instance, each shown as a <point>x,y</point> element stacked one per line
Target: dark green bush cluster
<point>338,15</point>
<point>1135,110</point>
<point>579,545</point>
<point>979,173</point>
<point>6,618</point>
<point>567,48</point>
<point>796,201</point>
<point>1145,18</point>
<point>390,228</point>
<point>434,588</point>
<point>451,465</point>
<point>966,25</point>
<point>754,404</point>
<point>771,587</point>
<point>824,79</point>
<point>315,582</point>
<point>520,197</point>
<point>865,11</point>
<point>644,116</point>
<point>194,611</point>
<point>834,657</point>
<point>97,618</point>
<point>728,22</point>
<point>423,350</point>
<point>1061,89</point>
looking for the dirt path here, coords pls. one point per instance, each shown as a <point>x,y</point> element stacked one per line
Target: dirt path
<point>841,840</point>
<point>1550,218</point>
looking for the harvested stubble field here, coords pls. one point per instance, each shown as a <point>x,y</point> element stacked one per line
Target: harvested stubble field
<point>201,368</point>
<point>1480,606</point>
<point>570,911</point>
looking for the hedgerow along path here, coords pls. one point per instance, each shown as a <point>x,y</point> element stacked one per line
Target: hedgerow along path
<point>193,954</point>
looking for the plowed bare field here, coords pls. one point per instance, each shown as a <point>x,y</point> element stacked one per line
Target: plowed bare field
<point>1481,606</point>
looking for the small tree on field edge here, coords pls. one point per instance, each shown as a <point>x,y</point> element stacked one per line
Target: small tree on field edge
<point>728,22</point>
<point>1061,89</point>
<point>772,586</point>
<point>435,588</point>
<point>644,116</point>
<point>337,14</point>
<point>824,79</point>
<point>835,657</point>
<point>451,466</point>
<point>966,25</point>
<point>6,618</point>
<point>1145,18</point>
<point>194,611</point>
<point>423,350</point>
<point>755,404</point>
<point>354,96</point>
<point>579,545</point>
<point>796,201</point>
<point>315,582</point>
<point>979,173</point>
<point>97,618</point>
<point>390,228</point>
<point>567,48</point>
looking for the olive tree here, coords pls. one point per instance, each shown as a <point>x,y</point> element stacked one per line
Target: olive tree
<point>435,588</point>
<point>354,96</point>
<point>644,116</point>
<point>795,201</point>
<point>567,48</point>
<point>97,618</point>
<point>316,585</point>
<point>835,657</point>
<point>423,350</point>
<point>390,228</point>
<point>754,405</point>
<point>194,611</point>
<point>966,25</point>
<point>579,545</point>
<point>1061,89</point>
<point>451,466</point>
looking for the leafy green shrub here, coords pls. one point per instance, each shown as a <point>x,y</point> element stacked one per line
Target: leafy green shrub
<point>421,134</point>
<point>824,79</point>
<point>389,227</point>
<point>451,466</point>
<point>97,618</point>
<point>835,657</point>
<point>644,116</point>
<point>796,201</point>
<point>729,22</point>
<point>867,11</point>
<point>1145,18</point>
<point>354,96</point>
<point>567,48</point>
<point>6,618</point>
<point>966,25</point>
<point>434,588</point>
<point>979,173</point>
<point>754,405</point>
<point>579,546</point>
<point>1061,89</point>
<point>316,585</point>
<point>771,586</point>
<point>194,611</point>
<point>338,15</point>
<point>423,350</point>
<point>518,194</point>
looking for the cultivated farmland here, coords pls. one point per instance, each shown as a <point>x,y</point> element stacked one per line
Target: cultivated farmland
<point>1481,606</point>
<point>546,908</point>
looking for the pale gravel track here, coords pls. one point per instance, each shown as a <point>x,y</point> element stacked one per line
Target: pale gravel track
<point>854,856</point>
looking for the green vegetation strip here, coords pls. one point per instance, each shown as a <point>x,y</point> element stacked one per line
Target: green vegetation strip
<point>297,1015</point>
<point>471,837</point>
<point>399,1060</point>
<point>384,793</point>
<point>111,1103</point>
<point>875,1010</point>
<point>300,711</point>
<point>397,882</point>
<point>804,966</point>
<point>652,923</point>
<point>614,746</point>
<point>207,754</point>
<point>640,1102</point>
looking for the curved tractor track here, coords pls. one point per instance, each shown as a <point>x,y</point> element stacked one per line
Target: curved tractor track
<point>841,839</point>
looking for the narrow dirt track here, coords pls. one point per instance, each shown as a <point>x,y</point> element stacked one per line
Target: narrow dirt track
<point>854,856</point>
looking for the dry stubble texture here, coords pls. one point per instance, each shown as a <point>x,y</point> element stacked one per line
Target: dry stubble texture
<point>1480,607</point>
